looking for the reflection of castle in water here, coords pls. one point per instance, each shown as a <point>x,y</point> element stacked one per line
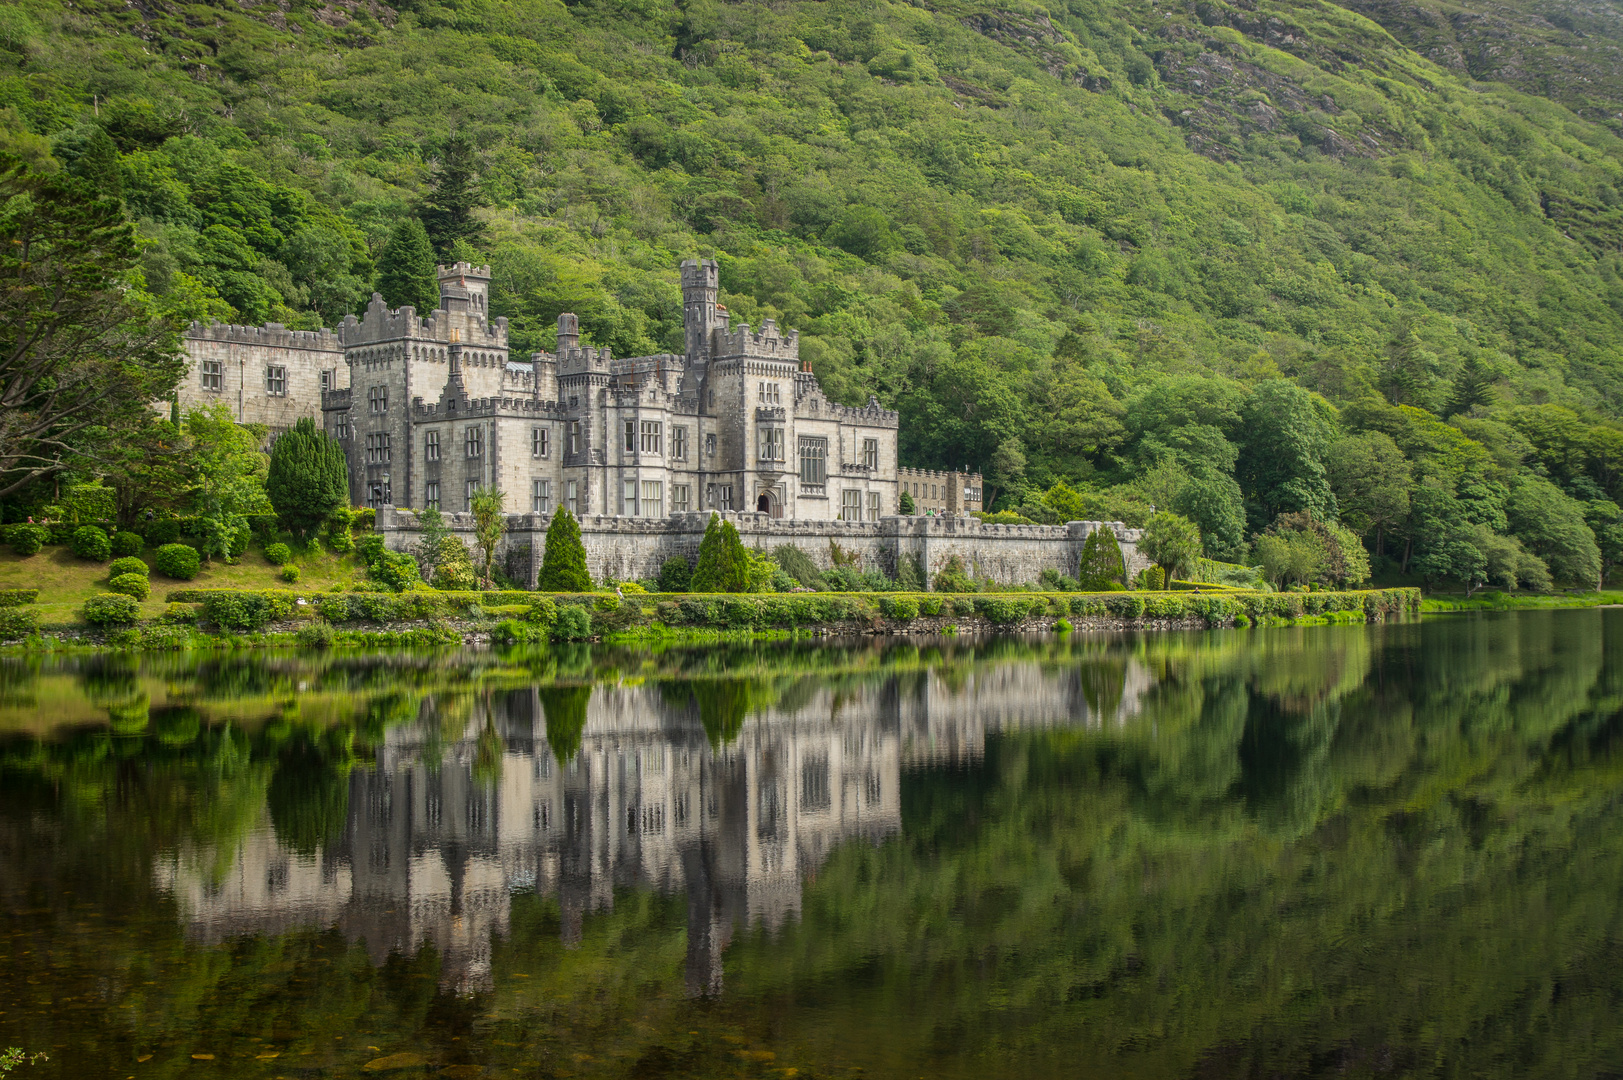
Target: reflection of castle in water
<point>439,835</point>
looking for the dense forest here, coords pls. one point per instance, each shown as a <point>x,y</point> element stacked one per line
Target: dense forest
<point>1260,263</point>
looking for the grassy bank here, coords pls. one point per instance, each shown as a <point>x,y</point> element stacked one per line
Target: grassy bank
<point>1498,601</point>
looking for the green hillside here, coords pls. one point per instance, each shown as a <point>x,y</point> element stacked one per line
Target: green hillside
<point>1070,244</point>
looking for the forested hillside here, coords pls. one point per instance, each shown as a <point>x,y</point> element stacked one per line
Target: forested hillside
<point>1237,259</point>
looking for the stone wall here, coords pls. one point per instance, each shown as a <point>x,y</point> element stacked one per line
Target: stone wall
<point>631,548</point>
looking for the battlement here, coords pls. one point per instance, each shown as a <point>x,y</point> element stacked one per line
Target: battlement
<point>383,323</point>
<point>336,400</point>
<point>584,358</point>
<point>461,270</point>
<point>489,406</point>
<point>765,344</point>
<point>271,335</point>
<point>872,413</point>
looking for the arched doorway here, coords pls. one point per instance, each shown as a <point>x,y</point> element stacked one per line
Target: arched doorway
<point>768,503</point>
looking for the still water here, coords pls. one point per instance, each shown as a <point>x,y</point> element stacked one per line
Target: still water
<point>1393,850</point>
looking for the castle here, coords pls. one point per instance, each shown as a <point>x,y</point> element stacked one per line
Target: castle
<point>431,407</point>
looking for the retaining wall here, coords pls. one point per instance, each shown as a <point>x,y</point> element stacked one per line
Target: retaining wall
<point>627,548</point>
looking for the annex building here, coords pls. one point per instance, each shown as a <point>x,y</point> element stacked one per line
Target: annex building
<point>430,406</point>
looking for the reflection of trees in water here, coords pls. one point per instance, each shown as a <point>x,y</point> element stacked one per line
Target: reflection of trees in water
<point>564,708</point>
<point>308,797</point>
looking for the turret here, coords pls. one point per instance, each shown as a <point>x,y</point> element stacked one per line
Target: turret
<point>701,279</point>
<point>568,332</point>
<point>465,286</point>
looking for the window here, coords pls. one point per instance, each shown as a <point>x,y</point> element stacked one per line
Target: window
<point>467,497</point>
<point>377,493</point>
<point>276,380</point>
<point>341,428</point>
<point>326,381</point>
<point>870,453</point>
<point>873,506</point>
<point>813,461</point>
<point>850,506</point>
<point>540,442</point>
<point>473,440</point>
<point>377,399</point>
<point>213,375</point>
<point>680,494</point>
<point>631,436</point>
<point>679,443</point>
<point>431,496</point>
<point>720,496</point>
<point>377,448</point>
<point>572,497</point>
<point>628,498</point>
<point>574,436</point>
<point>431,446</point>
<point>771,442</point>
<point>710,445</point>
<point>767,394</point>
<point>541,496</point>
<point>653,498</point>
<point>650,436</point>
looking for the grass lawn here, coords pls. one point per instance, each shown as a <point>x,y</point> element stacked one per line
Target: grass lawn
<point>65,581</point>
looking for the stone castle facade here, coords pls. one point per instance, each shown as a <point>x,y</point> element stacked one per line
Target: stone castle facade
<point>431,406</point>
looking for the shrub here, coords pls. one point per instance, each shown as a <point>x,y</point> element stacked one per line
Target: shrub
<point>1064,626</point>
<point>26,540</point>
<point>290,573</point>
<point>952,578</point>
<point>178,561</point>
<point>675,574</point>
<point>573,624</point>
<point>930,605</point>
<point>395,569</point>
<point>111,609</point>
<point>278,554</point>
<point>307,480</point>
<point>179,613</point>
<point>17,597</point>
<point>1101,567</point>
<point>1126,605</point>
<point>127,565</point>
<point>1152,578</point>
<point>543,612</point>
<point>127,543</point>
<point>1000,610</point>
<point>333,608</point>
<point>135,585</point>
<point>798,565</point>
<point>90,542</point>
<point>17,623</point>
<point>563,561</point>
<point>899,607</point>
<point>316,635</point>
<point>246,610</point>
<point>963,605</point>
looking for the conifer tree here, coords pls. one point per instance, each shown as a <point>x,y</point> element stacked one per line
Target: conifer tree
<point>724,565</point>
<point>308,478</point>
<point>563,564</point>
<point>447,212</point>
<point>906,504</point>
<point>1101,568</point>
<point>406,269</point>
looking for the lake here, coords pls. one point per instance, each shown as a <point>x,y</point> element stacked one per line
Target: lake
<point>1339,850</point>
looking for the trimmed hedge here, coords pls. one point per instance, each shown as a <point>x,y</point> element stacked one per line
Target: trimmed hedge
<point>110,610</point>
<point>128,565</point>
<point>91,543</point>
<point>17,623</point>
<point>135,585</point>
<point>17,597</point>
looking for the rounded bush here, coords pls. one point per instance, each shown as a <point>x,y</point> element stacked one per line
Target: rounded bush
<point>90,542</point>
<point>112,609</point>
<point>290,573</point>
<point>127,565</point>
<point>278,554</point>
<point>26,540</point>
<point>573,624</point>
<point>135,585</point>
<point>316,635</point>
<point>178,561</point>
<point>543,612</point>
<point>127,543</point>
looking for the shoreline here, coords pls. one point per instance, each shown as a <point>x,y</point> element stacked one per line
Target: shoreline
<point>197,620</point>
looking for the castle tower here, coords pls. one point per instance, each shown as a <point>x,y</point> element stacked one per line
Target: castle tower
<point>568,332</point>
<point>465,287</point>
<point>701,279</point>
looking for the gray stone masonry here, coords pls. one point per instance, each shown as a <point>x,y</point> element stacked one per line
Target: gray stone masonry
<point>627,549</point>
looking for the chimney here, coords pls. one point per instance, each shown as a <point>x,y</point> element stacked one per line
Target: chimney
<point>568,332</point>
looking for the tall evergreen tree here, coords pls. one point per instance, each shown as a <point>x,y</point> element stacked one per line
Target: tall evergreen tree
<point>1101,568</point>
<point>308,478</point>
<point>448,210</point>
<point>92,156</point>
<point>563,564</point>
<point>406,269</point>
<point>724,565</point>
<point>1473,386</point>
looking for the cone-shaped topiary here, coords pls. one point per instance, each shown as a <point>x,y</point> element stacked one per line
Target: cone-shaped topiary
<point>1101,568</point>
<point>724,565</point>
<point>308,479</point>
<point>563,563</point>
